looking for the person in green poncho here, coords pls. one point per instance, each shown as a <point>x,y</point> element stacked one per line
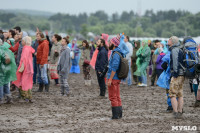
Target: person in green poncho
<point>7,71</point>
<point>144,55</point>
<point>136,46</point>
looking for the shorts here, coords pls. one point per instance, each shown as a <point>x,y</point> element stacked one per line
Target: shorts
<point>176,87</point>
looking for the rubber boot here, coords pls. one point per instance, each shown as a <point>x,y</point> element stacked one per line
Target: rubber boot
<point>8,99</point>
<point>115,113</point>
<point>47,88</point>
<point>41,86</point>
<point>86,82</point>
<point>89,82</point>
<point>120,111</point>
<point>197,103</point>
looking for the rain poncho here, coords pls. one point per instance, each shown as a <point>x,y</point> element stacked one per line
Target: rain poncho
<point>25,78</point>
<point>164,79</point>
<point>7,71</point>
<point>75,61</point>
<point>144,55</point>
<point>165,50</point>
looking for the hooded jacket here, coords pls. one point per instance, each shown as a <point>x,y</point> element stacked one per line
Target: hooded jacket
<point>64,62</point>
<point>176,59</point>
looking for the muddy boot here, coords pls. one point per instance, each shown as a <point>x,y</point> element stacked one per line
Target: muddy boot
<point>41,86</point>
<point>13,87</point>
<point>89,82</point>
<point>85,82</point>
<point>169,109</point>
<point>120,111</point>
<point>197,103</point>
<point>8,100</point>
<point>47,88</point>
<point>1,102</point>
<point>115,113</point>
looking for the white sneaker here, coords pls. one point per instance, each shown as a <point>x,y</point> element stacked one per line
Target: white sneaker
<point>143,85</point>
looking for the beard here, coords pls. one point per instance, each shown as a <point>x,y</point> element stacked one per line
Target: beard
<point>111,47</point>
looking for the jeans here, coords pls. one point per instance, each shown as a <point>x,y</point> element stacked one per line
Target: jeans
<point>144,79</point>
<point>42,74</point>
<point>5,90</point>
<point>64,86</point>
<point>102,84</point>
<point>129,78</point>
<point>35,70</point>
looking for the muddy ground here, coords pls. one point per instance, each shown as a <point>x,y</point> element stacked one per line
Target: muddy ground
<point>84,111</point>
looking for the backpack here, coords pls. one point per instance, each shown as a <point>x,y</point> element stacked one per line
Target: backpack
<point>123,67</point>
<point>191,60</point>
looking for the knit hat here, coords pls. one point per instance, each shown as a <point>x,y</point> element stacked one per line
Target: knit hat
<point>115,41</point>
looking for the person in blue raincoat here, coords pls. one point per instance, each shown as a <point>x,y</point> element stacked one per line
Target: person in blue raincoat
<point>164,79</point>
<point>75,57</point>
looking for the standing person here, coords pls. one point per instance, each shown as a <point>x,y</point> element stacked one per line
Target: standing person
<point>142,62</point>
<point>154,56</point>
<point>11,35</point>
<point>113,80</point>
<point>75,57</point>
<point>7,70</point>
<point>64,66</point>
<point>42,60</point>
<point>159,61</point>
<point>134,58</point>
<point>54,56</point>
<point>19,51</point>
<point>92,45</point>
<point>164,79</point>
<point>177,74</point>
<point>35,46</point>
<point>101,64</point>
<point>128,57</point>
<point>25,70</point>
<point>85,62</point>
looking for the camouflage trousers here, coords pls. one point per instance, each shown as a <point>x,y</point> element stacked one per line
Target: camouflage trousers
<point>25,94</point>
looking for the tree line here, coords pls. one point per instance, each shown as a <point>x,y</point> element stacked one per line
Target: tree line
<point>151,24</point>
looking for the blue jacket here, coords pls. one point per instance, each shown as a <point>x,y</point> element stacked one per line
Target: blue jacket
<point>102,59</point>
<point>164,79</point>
<point>123,45</point>
<point>114,63</point>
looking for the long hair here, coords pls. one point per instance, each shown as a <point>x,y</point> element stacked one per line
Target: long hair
<point>87,45</point>
<point>104,44</point>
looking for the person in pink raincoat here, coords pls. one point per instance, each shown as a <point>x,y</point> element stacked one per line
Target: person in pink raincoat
<point>25,70</point>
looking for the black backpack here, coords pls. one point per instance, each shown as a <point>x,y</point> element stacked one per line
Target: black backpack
<point>123,67</point>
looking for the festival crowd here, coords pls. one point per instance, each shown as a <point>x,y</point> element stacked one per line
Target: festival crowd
<point>24,62</point>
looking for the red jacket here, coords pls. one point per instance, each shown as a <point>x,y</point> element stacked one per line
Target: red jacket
<point>42,52</point>
<point>15,48</point>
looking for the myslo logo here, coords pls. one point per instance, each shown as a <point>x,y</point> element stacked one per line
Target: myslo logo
<point>184,128</point>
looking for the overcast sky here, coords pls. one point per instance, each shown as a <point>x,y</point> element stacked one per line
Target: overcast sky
<point>109,6</point>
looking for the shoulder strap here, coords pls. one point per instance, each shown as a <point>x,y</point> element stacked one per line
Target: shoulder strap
<point>117,53</point>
